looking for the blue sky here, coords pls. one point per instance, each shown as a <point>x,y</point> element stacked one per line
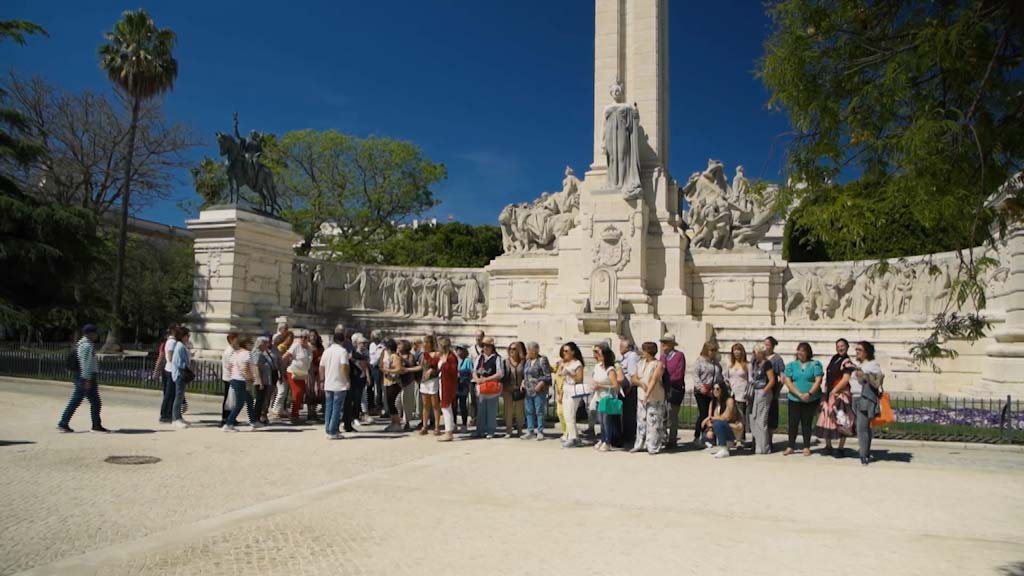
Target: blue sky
<point>499,91</point>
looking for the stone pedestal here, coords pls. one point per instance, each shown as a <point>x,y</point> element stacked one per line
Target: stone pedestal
<point>738,286</point>
<point>242,276</point>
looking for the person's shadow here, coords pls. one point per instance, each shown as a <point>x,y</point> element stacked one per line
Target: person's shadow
<point>1013,569</point>
<point>15,442</point>
<point>890,456</point>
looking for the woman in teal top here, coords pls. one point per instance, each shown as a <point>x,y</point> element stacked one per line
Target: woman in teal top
<point>803,380</point>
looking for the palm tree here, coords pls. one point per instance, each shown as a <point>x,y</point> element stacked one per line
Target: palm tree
<point>137,59</point>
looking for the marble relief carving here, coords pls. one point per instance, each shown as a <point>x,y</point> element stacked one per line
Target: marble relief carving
<point>721,216</point>
<point>537,226</point>
<point>913,291</point>
<point>418,293</point>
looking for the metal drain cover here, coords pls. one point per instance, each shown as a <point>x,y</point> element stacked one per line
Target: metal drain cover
<point>132,460</point>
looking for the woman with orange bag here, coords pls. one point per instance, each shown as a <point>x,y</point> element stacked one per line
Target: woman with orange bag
<point>866,387</point>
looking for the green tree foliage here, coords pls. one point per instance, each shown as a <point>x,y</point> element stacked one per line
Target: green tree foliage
<point>363,187</point>
<point>452,245</point>
<point>907,117</point>
<point>210,181</point>
<point>45,250</point>
<point>137,59</point>
<point>160,291</point>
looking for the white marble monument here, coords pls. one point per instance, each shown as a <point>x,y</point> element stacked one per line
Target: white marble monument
<point>615,254</point>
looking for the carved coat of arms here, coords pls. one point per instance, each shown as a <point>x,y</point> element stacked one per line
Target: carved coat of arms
<point>611,251</point>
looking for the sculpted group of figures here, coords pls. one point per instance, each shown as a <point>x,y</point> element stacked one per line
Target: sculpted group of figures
<point>536,226</point>
<point>911,291</point>
<point>422,294</point>
<point>723,216</point>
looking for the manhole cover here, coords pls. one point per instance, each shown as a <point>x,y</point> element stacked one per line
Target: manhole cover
<point>132,460</point>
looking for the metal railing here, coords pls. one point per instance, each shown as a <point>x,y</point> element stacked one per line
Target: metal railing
<point>937,417</point>
<point>127,371</point>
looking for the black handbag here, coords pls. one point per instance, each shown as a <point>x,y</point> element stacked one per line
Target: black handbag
<point>518,394</point>
<point>676,395</point>
<point>187,375</point>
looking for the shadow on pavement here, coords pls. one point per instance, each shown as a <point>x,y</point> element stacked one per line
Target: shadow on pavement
<point>1014,569</point>
<point>15,442</point>
<point>275,430</point>
<point>138,431</point>
<point>889,456</point>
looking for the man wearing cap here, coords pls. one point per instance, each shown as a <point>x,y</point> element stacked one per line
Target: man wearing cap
<point>85,382</point>
<point>673,364</point>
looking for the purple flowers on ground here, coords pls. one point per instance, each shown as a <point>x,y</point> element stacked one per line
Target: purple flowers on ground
<point>958,417</point>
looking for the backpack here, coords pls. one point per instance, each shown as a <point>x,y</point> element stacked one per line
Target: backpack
<point>71,361</point>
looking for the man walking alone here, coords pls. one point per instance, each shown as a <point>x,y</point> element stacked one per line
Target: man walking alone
<point>85,382</point>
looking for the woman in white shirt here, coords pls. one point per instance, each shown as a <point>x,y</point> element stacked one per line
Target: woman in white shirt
<point>738,378</point>
<point>574,390</point>
<point>650,400</point>
<point>299,359</point>
<point>606,385</point>
<point>240,373</point>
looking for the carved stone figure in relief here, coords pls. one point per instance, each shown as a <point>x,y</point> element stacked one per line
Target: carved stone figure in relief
<point>300,286</point>
<point>721,217</point>
<point>386,291</point>
<point>361,282</point>
<point>621,145</point>
<point>470,296</point>
<point>429,295</point>
<point>538,225</point>
<point>446,295</point>
<point>402,295</point>
<point>316,293</point>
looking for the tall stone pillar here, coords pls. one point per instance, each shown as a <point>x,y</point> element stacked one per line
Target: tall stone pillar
<point>243,266</point>
<point>1004,359</point>
<point>631,50</point>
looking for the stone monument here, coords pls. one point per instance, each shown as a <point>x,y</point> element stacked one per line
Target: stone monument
<point>618,253</point>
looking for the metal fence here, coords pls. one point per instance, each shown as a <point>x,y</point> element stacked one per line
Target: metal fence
<point>49,363</point>
<point>938,417</point>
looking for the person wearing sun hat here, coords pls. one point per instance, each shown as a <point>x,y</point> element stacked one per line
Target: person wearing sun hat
<point>86,385</point>
<point>673,370</point>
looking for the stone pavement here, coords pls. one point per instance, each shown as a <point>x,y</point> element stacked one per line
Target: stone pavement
<point>287,501</point>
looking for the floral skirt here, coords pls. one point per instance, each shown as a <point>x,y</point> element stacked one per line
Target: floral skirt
<point>835,420</point>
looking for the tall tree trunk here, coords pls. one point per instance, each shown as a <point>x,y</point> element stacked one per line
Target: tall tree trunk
<point>112,345</point>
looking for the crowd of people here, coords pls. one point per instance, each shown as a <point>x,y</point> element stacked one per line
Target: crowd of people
<point>631,400</point>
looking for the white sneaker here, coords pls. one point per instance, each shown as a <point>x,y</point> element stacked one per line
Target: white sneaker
<point>229,428</point>
<point>365,420</point>
<point>709,445</point>
<point>527,436</point>
<point>181,424</point>
<point>540,437</point>
<point>723,453</point>
<point>713,450</point>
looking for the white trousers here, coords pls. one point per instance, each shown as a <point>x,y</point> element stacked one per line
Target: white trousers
<point>569,405</point>
<point>449,419</point>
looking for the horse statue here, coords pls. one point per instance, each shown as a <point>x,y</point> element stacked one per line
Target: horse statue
<point>245,170</point>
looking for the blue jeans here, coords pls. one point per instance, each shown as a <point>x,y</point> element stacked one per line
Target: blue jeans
<point>609,427</point>
<point>535,407</point>
<point>179,397</point>
<point>168,400</point>
<point>487,416</point>
<point>79,394</point>
<point>240,399</point>
<point>333,401</point>
<point>723,433</point>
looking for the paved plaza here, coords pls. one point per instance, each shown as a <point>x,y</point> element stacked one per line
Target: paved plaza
<point>287,501</point>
